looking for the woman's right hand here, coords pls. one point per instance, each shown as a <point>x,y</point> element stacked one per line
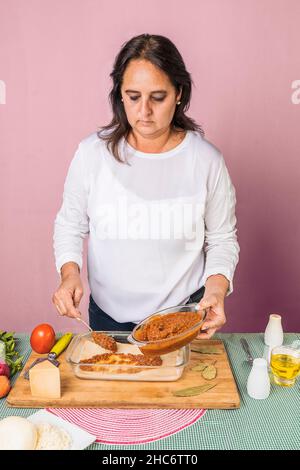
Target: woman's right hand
<point>68,295</point>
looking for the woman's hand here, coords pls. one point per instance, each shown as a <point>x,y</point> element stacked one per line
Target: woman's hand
<point>216,288</point>
<point>69,294</point>
<point>215,318</point>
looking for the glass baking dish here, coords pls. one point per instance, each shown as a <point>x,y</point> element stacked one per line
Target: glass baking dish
<point>82,347</point>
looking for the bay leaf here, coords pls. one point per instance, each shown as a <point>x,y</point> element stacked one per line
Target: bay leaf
<point>193,391</point>
<point>200,366</point>
<point>209,373</point>
<point>206,349</point>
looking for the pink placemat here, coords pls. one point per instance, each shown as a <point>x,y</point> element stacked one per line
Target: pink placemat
<point>120,426</point>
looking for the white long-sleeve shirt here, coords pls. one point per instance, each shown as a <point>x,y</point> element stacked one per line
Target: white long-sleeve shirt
<point>157,227</point>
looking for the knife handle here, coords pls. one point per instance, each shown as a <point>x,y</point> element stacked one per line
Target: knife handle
<point>61,344</point>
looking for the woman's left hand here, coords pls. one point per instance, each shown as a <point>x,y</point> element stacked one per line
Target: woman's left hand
<point>215,318</point>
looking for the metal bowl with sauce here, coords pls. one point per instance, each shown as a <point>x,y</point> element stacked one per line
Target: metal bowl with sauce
<point>168,330</point>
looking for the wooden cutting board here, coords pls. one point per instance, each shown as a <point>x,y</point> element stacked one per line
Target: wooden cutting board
<point>127,394</point>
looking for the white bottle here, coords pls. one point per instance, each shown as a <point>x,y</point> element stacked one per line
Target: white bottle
<point>274,333</point>
<point>258,383</point>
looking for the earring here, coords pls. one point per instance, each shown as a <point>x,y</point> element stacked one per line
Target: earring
<point>122,99</point>
<point>178,102</point>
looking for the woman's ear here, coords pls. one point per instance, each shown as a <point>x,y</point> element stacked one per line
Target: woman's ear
<point>178,97</point>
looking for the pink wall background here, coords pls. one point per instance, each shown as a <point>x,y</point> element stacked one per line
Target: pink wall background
<point>55,60</point>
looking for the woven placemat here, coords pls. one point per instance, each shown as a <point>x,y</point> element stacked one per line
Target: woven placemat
<point>122,426</point>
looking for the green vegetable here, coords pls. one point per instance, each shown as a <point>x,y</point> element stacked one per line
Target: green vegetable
<point>11,357</point>
<point>193,391</point>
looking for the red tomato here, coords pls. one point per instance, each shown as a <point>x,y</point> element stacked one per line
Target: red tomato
<point>42,338</point>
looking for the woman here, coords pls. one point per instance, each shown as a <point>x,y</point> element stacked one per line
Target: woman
<point>155,198</point>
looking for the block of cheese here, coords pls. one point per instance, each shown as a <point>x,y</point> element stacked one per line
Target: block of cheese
<point>44,380</point>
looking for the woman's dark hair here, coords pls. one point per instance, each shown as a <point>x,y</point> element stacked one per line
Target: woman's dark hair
<point>161,52</point>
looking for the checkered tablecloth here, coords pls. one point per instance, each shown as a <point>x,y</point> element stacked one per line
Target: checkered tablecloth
<point>273,423</point>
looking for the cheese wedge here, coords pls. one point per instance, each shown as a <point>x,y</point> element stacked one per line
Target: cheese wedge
<point>44,380</point>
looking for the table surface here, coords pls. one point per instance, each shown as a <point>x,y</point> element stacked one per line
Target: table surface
<point>273,423</point>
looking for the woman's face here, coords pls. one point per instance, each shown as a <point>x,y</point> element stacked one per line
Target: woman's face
<point>149,98</point>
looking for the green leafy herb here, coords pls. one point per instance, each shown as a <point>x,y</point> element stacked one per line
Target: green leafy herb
<point>12,357</point>
<point>193,391</point>
<point>200,366</point>
<point>209,373</point>
<point>206,349</point>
